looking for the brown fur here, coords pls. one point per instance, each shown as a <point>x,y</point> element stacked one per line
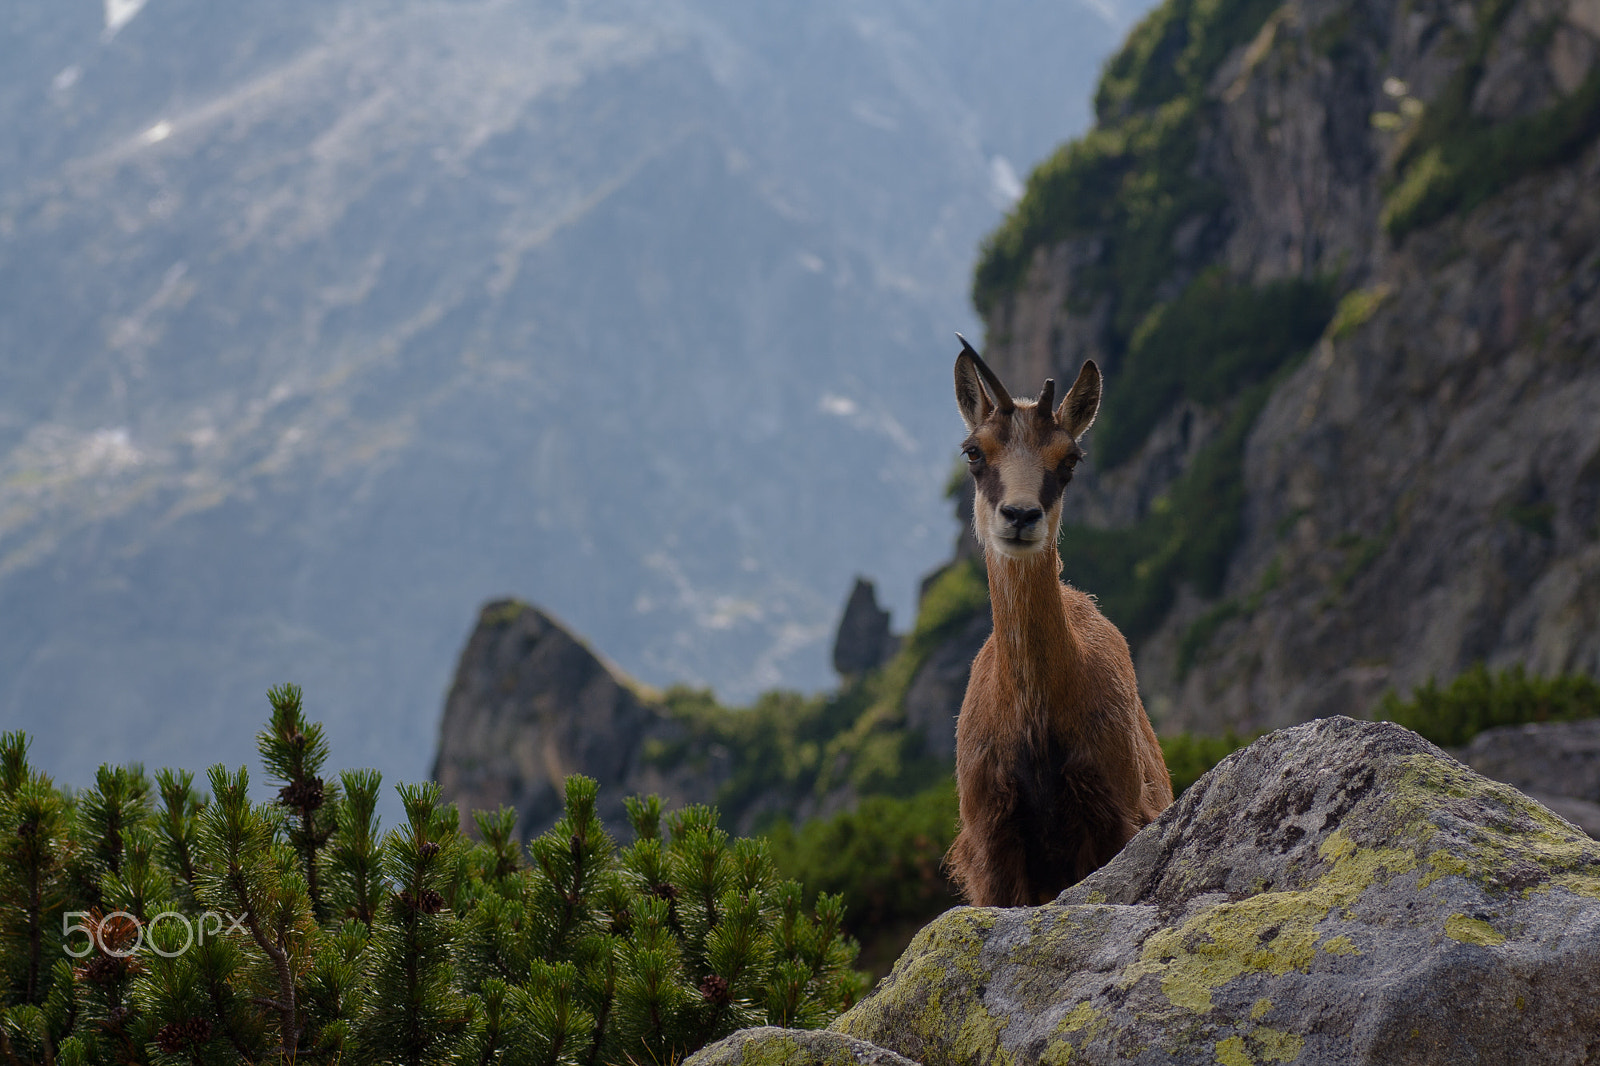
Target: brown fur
<point>1056,764</point>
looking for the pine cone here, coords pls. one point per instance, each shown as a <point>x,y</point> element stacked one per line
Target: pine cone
<point>28,829</point>
<point>429,849</point>
<point>304,795</point>
<point>714,989</point>
<point>430,903</point>
<point>102,969</point>
<point>176,1037</point>
<point>664,890</point>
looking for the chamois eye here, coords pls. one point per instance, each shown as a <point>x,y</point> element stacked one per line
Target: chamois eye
<point>973,453</point>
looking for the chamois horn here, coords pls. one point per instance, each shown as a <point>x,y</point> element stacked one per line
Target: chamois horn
<point>1047,399</point>
<point>1002,398</point>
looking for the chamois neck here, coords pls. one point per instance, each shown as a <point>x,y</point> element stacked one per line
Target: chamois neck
<point>1036,648</point>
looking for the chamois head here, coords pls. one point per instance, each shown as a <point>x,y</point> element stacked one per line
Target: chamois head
<point>1020,452</point>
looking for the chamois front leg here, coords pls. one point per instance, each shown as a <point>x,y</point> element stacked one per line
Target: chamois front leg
<point>988,859</point>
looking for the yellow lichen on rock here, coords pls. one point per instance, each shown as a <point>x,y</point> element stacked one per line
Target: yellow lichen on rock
<point>1472,931</point>
<point>1340,945</point>
<point>1552,844</point>
<point>1579,884</point>
<point>1274,1045</point>
<point>1231,1052</point>
<point>1083,1016</point>
<point>1274,932</point>
<point>1080,1019</point>
<point>955,937</point>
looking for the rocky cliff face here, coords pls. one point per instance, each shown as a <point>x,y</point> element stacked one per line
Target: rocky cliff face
<point>531,704</point>
<point>1421,489</point>
<point>1422,493</point>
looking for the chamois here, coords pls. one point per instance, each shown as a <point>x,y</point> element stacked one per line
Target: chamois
<point>1056,763</point>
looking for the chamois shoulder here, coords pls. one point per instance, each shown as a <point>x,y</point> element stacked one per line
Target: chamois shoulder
<point>1083,615</point>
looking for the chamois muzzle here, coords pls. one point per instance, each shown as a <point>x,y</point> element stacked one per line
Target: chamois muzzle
<point>1021,518</point>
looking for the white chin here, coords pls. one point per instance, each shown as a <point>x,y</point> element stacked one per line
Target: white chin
<point>1016,549</point>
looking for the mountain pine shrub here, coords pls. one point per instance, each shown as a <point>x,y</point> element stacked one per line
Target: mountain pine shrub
<point>1451,715</point>
<point>142,922</point>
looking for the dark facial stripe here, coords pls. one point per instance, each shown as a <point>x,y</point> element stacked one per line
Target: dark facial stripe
<point>988,480</point>
<point>1051,487</point>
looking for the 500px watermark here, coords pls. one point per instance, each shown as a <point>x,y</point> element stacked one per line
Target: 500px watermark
<point>121,924</point>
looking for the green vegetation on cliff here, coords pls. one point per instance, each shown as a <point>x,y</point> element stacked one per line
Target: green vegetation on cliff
<point>1129,182</point>
<point>1454,159</point>
<point>1222,345</point>
<point>1453,714</point>
<point>787,748</point>
<point>1188,534</point>
<point>1216,339</point>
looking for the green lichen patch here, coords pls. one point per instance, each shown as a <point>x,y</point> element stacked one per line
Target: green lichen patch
<point>933,993</point>
<point>1473,931</point>
<point>1340,945</point>
<point>1083,1017</point>
<point>1355,308</point>
<point>1231,1052</point>
<point>1579,884</point>
<point>1084,1022</point>
<point>1260,1009</point>
<point>1057,1054</point>
<point>1490,833</point>
<point>1274,932</point>
<point>1274,1045</point>
<point>770,1046</point>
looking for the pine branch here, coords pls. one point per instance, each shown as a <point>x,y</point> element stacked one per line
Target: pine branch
<point>7,1050</point>
<point>215,990</point>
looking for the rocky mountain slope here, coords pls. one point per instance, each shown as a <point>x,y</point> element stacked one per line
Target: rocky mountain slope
<point>323,321</point>
<point>1341,264</point>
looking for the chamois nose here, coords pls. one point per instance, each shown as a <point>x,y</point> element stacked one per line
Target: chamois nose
<point>1021,517</point>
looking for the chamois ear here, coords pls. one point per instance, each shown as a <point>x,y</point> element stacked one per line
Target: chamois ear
<point>975,401</point>
<point>1082,402</point>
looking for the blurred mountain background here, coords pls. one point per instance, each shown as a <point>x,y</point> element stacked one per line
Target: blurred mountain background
<point>323,322</point>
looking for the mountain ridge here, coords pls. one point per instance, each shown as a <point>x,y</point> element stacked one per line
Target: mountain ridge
<point>325,322</point>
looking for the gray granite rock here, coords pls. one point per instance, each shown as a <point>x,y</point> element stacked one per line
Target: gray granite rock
<point>1340,892</point>
<point>770,1046</point>
<point>1553,758</point>
<point>1556,763</point>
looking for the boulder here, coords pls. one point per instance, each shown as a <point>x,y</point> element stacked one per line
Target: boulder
<point>769,1046</point>
<point>1338,892</point>
<point>1556,763</point>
